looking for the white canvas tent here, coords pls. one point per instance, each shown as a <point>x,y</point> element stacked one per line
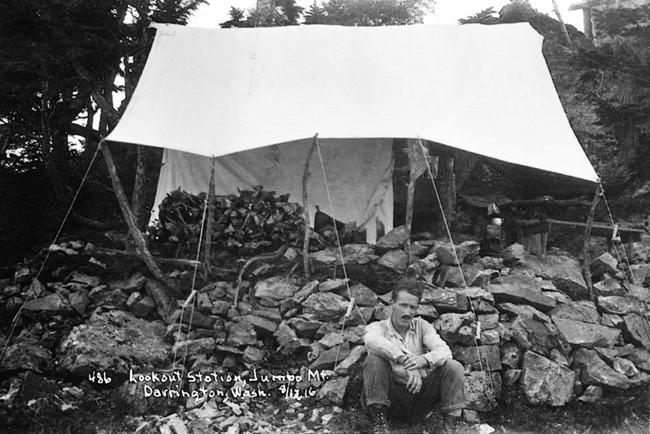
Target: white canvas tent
<point>229,93</point>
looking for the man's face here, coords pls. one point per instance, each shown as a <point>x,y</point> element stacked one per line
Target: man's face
<point>404,307</point>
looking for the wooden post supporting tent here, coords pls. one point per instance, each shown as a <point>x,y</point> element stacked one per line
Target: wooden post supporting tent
<point>447,193</point>
<point>305,204</point>
<point>136,235</point>
<point>586,259</point>
<point>209,229</point>
<point>412,150</point>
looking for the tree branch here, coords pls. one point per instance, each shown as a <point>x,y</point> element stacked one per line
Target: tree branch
<point>106,107</point>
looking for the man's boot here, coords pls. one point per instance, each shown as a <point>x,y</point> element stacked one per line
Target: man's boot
<point>378,419</point>
<point>449,423</point>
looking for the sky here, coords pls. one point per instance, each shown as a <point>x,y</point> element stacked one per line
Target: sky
<point>446,11</point>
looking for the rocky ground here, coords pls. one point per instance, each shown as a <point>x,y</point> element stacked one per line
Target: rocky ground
<point>89,346</point>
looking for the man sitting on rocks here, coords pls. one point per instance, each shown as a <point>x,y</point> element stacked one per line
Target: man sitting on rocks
<point>408,365</point>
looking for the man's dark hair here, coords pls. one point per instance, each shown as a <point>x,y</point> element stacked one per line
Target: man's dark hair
<point>411,286</point>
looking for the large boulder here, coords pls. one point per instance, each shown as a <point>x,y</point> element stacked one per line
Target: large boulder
<point>546,382</point>
<point>593,370</point>
<point>564,271</point>
<point>113,341</point>
<point>582,334</point>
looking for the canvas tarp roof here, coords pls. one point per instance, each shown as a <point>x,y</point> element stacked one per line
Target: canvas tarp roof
<point>483,89</point>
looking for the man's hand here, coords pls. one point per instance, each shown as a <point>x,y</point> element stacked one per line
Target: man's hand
<point>414,383</point>
<point>411,362</point>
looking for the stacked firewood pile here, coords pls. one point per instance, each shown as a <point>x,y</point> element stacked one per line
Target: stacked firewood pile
<point>255,221</point>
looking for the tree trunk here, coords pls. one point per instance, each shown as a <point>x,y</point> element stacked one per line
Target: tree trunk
<point>136,235</point>
<point>138,199</point>
<point>464,164</point>
<point>447,195</point>
<point>46,147</point>
<point>61,155</point>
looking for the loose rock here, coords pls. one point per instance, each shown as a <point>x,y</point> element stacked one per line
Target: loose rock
<point>587,335</point>
<point>333,391</point>
<point>325,306</point>
<point>113,341</point>
<point>593,370</point>
<point>546,382</point>
<point>637,330</point>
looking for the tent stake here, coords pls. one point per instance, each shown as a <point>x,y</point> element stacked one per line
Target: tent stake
<point>305,204</point>
<point>209,229</point>
<point>136,235</point>
<point>586,259</point>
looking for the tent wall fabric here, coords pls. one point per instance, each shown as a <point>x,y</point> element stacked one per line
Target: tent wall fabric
<point>483,89</point>
<point>365,164</point>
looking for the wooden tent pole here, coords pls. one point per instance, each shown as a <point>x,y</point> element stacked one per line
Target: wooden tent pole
<point>586,259</point>
<point>305,204</point>
<point>410,197</point>
<point>136,235</point>
<point>209,229</point>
